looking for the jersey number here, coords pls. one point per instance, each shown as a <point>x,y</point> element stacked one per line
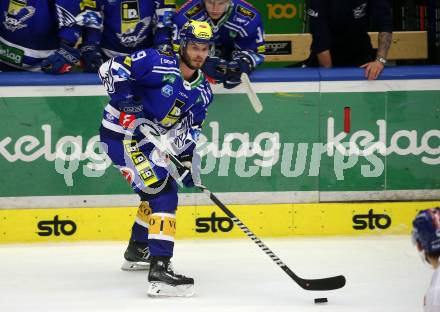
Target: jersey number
<point>259,35</point>
<point>139,55</point>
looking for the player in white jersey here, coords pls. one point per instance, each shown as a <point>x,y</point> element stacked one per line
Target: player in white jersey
<point>426,236</point>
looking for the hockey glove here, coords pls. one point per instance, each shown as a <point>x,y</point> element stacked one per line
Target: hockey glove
<point>233,76</point>
<point>190,174</point>
<point>131,110</point>
<point>245,61</point>
<point>91,58</point>
<point>215,68</point>
<point>61,61</point>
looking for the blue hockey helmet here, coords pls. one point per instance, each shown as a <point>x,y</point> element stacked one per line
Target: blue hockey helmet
<point>426,230</point>
<point>196,31</point>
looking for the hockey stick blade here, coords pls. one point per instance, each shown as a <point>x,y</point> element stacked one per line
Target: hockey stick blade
<point>329,283</point>
<point>253,97</point>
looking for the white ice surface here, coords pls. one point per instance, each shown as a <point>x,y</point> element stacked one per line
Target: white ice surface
<point>383,274</point>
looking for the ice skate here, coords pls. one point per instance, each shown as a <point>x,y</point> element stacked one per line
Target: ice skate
<point>164,282</point>
<point>137,257</point>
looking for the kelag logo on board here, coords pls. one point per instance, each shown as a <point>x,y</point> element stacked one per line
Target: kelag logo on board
<point>214,224</point>
<point>371,221</point>
<point>56,227</point>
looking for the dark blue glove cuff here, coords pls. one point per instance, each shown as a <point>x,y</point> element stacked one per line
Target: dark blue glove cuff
<point>61,61</point>
<point>91,58</point>
<point>215,68</point>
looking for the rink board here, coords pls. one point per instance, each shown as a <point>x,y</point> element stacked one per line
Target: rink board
<point>277,220</point>
<point>294,151</point>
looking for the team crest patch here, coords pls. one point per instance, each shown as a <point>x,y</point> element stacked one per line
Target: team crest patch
<point>193,11</point>
<point>245,12</point>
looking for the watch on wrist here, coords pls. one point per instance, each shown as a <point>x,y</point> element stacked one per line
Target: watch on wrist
<point>381,60</point>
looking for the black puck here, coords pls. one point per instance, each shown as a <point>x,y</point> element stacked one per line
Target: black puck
<point>321,300</point>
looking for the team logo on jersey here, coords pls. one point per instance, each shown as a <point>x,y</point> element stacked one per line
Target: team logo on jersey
<point>133,28</point>
<point>18,12</point>
<point>167,90</point>
<point>182,134</point>
<point>193,11</point>
<point>245,12</point>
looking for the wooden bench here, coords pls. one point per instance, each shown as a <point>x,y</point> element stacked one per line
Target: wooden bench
<point>406,45</point>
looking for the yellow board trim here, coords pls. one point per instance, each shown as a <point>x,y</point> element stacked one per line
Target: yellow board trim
<point>275,220</point>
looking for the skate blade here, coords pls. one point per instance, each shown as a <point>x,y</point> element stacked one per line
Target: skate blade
<point>135,266</point>
<point>158,289</point>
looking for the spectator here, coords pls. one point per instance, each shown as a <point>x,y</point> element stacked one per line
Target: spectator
<point>340,38</point>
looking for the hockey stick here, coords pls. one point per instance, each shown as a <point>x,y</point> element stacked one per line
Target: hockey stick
<point>253,97</point>
<point>328,283</point>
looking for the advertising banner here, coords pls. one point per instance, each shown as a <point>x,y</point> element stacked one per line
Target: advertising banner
<point>325,143</point>
<point>207,222</point>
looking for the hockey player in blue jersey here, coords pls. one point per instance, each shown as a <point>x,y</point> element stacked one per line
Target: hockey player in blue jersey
<point>169,95</point>
<point>121,27</point>
<point>36,34</point>
<point>238,34</point>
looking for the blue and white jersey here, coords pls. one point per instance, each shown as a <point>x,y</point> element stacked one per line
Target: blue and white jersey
<point>432,296</point>
<point>126,26</point>
<point>30,30</point>
<point>154,79</point>
<point>240,28</point>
